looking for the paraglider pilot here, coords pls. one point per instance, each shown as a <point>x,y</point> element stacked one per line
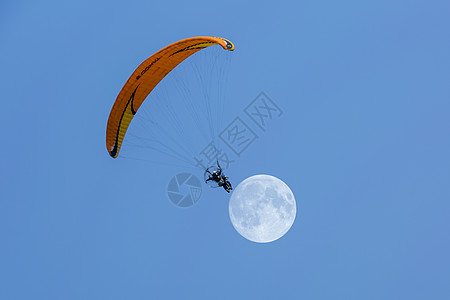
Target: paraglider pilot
<point>220,178</point>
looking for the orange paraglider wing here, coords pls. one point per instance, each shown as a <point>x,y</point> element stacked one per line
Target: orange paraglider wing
<point>143,81</point>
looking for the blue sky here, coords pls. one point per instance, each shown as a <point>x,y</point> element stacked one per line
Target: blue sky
<point>363,143</point>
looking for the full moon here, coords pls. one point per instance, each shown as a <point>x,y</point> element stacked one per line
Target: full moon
<point>262,208</point>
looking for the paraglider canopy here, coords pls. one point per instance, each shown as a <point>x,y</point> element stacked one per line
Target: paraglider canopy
<point>145,78</point>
